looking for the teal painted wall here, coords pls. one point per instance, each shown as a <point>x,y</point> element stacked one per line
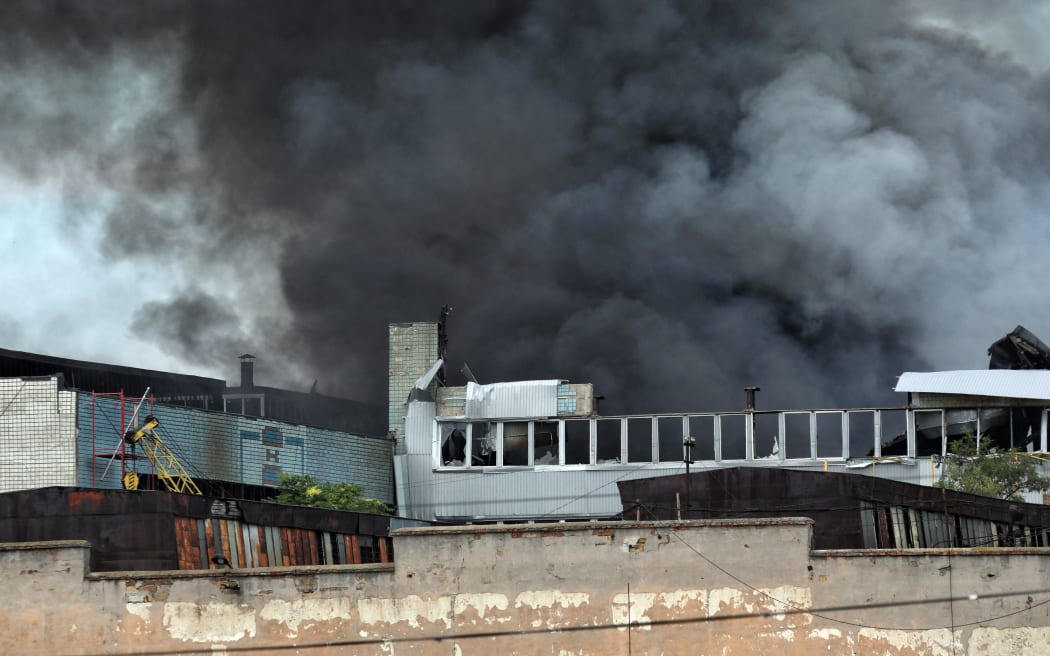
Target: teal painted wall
<point>233,448</point>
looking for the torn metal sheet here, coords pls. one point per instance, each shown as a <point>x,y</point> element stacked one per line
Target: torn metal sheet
<point>525,398</point>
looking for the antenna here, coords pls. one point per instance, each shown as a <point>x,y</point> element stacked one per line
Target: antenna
<point>443,340</point>
<point>469,374</point>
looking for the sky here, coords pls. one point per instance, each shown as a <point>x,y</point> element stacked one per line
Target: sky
<point>672,200</point>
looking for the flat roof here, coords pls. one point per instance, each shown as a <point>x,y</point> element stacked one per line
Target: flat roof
<point>1005,383</point>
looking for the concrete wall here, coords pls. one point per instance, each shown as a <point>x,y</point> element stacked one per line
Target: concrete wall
<point>723,587</point>
<point>37,434</point>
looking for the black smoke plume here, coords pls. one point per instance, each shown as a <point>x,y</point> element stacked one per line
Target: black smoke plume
<point>669,199</point>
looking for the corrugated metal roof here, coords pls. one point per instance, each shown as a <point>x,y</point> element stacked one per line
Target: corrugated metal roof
<point>1007,383</point>
<point>525,398</point>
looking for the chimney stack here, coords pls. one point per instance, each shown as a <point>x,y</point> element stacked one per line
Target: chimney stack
<point>247,371</point>
<point>751,397</point>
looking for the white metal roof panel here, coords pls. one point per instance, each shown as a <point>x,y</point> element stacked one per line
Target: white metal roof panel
<point>525,398</point>
<point>1007,383</point>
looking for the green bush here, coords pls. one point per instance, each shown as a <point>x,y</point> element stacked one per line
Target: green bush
<point>1004,474</point>
<point>306,491</point>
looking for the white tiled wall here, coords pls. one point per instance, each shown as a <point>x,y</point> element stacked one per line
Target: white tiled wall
<point>37,434</point>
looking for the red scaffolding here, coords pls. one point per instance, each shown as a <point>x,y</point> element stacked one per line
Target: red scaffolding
<point>128,419</point>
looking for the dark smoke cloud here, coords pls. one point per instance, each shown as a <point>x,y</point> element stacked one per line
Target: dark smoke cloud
<point>672,200</point>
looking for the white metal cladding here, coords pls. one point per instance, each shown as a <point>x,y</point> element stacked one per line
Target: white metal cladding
<point>525,398</point>
<point>419,428</point>
<point>480,495</point>
<point>1007,383</point>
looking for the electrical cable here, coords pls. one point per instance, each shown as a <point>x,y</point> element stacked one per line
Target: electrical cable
<point>582,628</point>
<point>846,622</point>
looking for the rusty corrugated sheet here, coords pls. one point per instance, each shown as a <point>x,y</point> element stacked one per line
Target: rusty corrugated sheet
<point>160,530</point>
<point>833,500</point>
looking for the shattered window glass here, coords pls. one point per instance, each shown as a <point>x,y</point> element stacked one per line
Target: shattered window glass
<point>578,442</point>
<point>545,443</point>
<point>829,434</point>
<point>734,437</point>
<point>861,433</point>
<point>797,429</point>
<point>482,445</point>
<point>702,429</point>
<point>639,439</point>
<point>453,444</point>
<point>670,436</point>
<point>608,441</point>
<point>516,443</point>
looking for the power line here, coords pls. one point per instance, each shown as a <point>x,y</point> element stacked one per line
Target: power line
<point>798,609</point>
<point>581,628</point>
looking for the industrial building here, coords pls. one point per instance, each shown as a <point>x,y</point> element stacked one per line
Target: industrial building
<point>539,450</point>
<point>233,441</point>
<point>246,398</point>
<point>848,511</point>
<point>134,531</point>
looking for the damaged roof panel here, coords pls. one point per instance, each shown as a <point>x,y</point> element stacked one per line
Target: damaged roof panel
<point>525,398</point>
<point>1004,383</point>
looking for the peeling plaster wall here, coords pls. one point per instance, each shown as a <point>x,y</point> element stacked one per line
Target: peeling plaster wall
<point>721,587</point>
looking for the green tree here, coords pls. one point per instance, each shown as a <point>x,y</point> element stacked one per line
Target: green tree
<point>983,471</point>
<point>306,491</point>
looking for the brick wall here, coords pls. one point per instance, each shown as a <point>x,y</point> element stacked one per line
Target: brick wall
<point>413,349</point>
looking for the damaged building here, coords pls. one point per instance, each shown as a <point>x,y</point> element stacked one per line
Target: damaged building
<point>539,450</point>
<point>55,434</point>
<point>131,531</point>
<point>848,511</point>
<point>245,398</point>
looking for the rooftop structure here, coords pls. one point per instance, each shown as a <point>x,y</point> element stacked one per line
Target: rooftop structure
<point>538,450</point>
<point>848,511</point>
<point>131,530</point>
<point>247,398</point>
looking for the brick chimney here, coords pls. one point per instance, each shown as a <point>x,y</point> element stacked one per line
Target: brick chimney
<point>247,371</point>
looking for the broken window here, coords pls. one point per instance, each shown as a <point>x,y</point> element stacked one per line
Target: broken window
<point>999,428</point>
<point>797,435</point>
<point>702,429</point>
<point>639,439</point>
<point>545,443</point>
<point>767,435</point>
<point>482,445</point>
<point>453,444</point>
<point>861,433</point>
<point>929,433</point>
<point>516,443</point>
<point>669,430</point>
<point>894,434</point>
<point>608,441</point>
<point>829,434</point>
<point>578,442</point>
<point>734,436</point>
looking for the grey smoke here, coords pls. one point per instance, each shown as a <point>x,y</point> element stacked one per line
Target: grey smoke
<point>672,200</point>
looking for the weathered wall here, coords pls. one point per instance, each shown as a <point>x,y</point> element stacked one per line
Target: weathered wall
<point>722,587</point>
<point>253,450</point>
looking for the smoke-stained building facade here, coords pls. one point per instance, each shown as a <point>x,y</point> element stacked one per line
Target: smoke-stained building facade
<point>539,450</point>
<point>51,435</point>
